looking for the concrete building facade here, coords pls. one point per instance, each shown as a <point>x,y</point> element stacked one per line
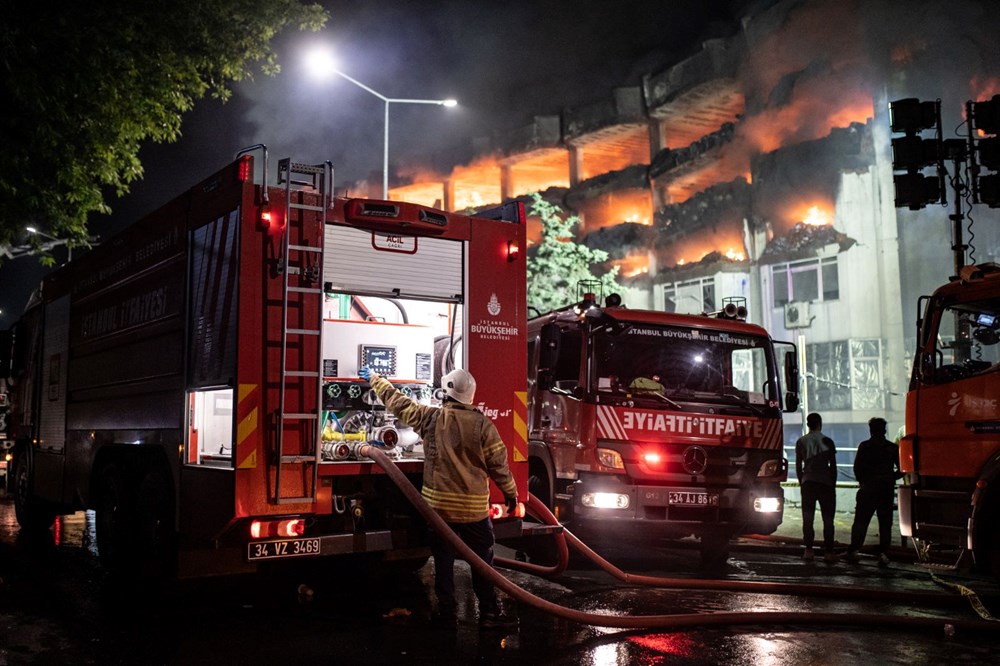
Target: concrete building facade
<point>760,167</point>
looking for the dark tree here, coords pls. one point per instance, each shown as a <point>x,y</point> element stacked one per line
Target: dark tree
<point>86,83</point>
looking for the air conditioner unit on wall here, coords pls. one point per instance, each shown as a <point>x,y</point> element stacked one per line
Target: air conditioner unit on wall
<point>797,314</point>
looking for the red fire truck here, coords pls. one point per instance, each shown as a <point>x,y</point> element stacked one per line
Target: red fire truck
<point>194,379</point>
<point>645,424</point>
<point>951,447</point>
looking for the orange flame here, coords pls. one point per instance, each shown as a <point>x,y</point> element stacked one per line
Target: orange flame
<point>816,215</point>
<point>633,265</point>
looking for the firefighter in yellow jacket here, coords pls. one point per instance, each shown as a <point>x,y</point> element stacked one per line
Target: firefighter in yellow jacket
<point>462,452</point>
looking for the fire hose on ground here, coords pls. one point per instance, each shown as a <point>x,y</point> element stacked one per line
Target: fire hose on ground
<point>666,621</point>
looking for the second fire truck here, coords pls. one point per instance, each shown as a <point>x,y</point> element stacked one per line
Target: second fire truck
<point>648,424</point>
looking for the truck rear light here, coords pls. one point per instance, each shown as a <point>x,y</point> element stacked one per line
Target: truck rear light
<point>266,529</point>
<point>605,500</point>
<point>610,458</point>
<point>512,251</point>
<point>767,504</point>
<point>270,222</point>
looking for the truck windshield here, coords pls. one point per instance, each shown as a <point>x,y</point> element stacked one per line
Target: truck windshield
<point>967,340</point>
<point>673,365</point>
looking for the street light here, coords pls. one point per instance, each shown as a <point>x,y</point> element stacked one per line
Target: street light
<point>322,63</point>
<point>55,242</point>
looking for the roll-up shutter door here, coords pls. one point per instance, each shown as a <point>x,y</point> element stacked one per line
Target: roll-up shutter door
<point>353,264</point>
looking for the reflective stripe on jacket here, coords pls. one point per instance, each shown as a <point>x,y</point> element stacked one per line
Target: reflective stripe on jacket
<point>462,452</point>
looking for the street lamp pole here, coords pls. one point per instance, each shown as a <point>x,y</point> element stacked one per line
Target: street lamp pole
<point>54,243</point>
<point>385,133</point>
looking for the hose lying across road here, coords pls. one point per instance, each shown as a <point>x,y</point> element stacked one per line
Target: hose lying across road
<point>539,510</point>
<point>671,621</point>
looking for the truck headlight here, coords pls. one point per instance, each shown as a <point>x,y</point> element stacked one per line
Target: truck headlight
<point>767,504</point>
<point>605,500</point>
<point>610,458</point>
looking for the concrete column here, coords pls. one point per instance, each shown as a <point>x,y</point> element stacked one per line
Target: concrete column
<point>506,182</point>
<point>575,165</point>
<point>448,194</point>
<point>657,137</point>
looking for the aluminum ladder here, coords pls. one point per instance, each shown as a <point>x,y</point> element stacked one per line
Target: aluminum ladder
<point>301,267</point>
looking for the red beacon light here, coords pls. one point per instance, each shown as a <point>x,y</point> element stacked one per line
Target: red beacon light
<point>269,222</point>
<point>512,251</point>
<point>245,164</point>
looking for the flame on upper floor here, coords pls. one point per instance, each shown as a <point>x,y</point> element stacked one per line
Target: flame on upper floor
<point>815,214</point>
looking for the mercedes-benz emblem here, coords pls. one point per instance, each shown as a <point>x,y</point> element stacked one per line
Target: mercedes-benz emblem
<point>695,460</point>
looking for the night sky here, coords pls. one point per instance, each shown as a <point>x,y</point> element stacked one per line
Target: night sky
<point>503,62</point>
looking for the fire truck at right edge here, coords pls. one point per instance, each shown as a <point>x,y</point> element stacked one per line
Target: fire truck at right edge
<point>951,449</point>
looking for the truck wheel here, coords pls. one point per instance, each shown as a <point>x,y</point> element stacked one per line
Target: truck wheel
<point>538,485</point>
<point>987,551</point>
<point>115,509</point>
<point>155,539</point>
<point>32,513</point>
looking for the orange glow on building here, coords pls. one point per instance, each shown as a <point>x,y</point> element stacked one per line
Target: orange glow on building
<point>614,208</point>
<point>695,250</point>
<point>808,119</point>
<point>633,266</point>
<point>984,88</point>
<point>476,184</point>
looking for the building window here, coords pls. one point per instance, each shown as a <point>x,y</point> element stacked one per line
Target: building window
<point>845,375</point>
<point>690,296</point>
<point>807,280</point>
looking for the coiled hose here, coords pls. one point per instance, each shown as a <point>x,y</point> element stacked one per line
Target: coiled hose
<point>654,621</point>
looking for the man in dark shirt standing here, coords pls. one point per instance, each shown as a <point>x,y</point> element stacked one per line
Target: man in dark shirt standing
<point>816,464</point>
<point>876,468</point>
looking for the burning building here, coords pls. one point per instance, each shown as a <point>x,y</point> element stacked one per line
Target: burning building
<point>759,167</point>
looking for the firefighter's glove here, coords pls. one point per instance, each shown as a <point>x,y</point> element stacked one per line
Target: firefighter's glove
<point>511,506</point>
<point>365,373</point>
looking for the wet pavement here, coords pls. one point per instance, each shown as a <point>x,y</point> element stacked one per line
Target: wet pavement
<point>57,606</point>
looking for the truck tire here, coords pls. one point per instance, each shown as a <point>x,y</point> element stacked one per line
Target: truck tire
<point>538,483</point>
<point>987,545</point>
<point>115,510</point>
<point>32,513</point>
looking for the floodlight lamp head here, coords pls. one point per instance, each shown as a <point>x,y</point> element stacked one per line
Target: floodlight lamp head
<point>910,115</point>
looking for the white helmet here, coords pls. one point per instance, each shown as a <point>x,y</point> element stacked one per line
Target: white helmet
<point>460,385</point>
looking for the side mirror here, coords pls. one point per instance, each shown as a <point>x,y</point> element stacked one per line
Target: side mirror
<point>549,352</point>
<point>790,365</point>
